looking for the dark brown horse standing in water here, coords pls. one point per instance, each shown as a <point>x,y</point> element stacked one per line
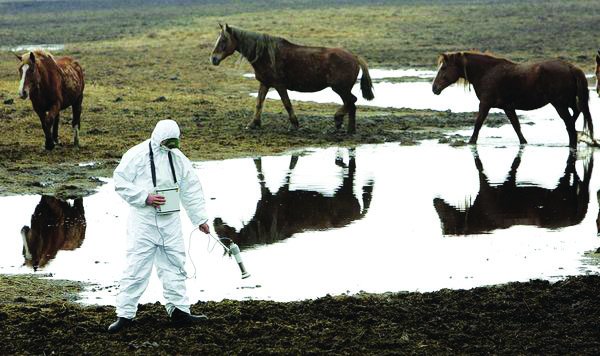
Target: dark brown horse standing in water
<point>52,85</point>
<point>285,66</point>
<point>500,83</point>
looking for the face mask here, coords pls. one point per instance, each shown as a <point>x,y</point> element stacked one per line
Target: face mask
<point>171,143</point>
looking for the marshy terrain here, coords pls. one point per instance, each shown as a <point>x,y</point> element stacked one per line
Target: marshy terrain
<point>145,60</point>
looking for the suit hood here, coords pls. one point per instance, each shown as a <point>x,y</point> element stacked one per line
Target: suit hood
<point>163,130</point>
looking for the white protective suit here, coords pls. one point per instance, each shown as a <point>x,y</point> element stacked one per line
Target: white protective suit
<point>148,232</point>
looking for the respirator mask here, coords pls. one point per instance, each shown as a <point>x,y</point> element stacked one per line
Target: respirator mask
<point>170,143</point>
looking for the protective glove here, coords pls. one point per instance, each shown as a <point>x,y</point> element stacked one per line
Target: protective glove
<point>155,200</point>
<point>204,228</point>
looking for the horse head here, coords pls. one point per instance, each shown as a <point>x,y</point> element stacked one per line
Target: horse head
<point>598,73</point>
<point>451,67</point>
<point>225,45</point>
<point>28,73</point>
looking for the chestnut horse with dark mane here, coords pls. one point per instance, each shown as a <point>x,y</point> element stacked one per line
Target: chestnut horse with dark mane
<point>286,66</point>
<point>52,85</point>
<point>500,83</point>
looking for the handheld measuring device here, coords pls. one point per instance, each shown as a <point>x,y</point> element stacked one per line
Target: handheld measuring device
<point>171,204</point>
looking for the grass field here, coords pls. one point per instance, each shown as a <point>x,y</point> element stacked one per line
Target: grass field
<point>135,52</point>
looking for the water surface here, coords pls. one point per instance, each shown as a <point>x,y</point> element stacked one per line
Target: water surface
<point>32,47</point>
<point>376,218</point>
<point>373,218</point>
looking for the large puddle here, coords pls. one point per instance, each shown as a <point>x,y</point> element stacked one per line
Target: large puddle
<point>540,127</point>
<point>375,218</point>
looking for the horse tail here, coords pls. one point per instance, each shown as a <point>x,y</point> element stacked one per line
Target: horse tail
<point>366,85</point>
<point>583,97</point>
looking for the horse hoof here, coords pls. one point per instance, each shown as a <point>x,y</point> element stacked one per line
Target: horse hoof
<point>253,126</point>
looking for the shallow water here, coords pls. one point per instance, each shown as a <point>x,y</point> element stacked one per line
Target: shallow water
<point>31,47</point>
<point>377,218</point>
<point>542,126</point>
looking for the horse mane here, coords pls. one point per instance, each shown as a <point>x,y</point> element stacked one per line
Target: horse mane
<point>463,55</point>
<point>44,56</point>
<point>47,60</point>
<point>253,45</point>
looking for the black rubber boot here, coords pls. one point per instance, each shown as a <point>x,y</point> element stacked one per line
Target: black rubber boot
<point>119,325</point>
<point>182,318</point>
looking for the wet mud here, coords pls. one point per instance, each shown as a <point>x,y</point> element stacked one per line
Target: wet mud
<point>535,317</point>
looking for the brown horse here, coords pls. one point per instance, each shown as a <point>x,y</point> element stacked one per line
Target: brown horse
<point>52,85</point>
<point>286,66</point>
<point>500,83</point>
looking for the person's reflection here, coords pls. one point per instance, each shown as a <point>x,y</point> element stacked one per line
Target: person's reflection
<point>281,214</point>
<point>508,204</point>
<point>55,225</point>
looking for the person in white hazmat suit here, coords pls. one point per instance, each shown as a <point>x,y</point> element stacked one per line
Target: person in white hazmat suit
<point>154,238</point>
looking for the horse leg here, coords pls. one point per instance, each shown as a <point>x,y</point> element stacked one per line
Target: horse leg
<point>76,122</point>
<point>288,106</point>
<point>55,123</point>
<point>52,120</point>
<point>349,100</point>
<point>514,120</point>
<point>260,99</point>
<point>576,111</point>
<point>49,142</point>
<point>564,114</point>
<point>481,115</point>
<point>351,115</point>
<point>338,118</point>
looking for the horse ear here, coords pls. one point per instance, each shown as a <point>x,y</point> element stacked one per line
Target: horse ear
<point>32,58</point>
<point>445,57</point>
<point>20,58</point>
<point>598,58</point>
<point>221,26</point>
<point>227,28</point>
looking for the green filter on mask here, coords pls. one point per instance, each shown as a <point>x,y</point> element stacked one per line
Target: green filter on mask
<point>171,143</point>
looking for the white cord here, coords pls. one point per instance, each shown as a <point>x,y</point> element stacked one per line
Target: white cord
<point>181,271</point>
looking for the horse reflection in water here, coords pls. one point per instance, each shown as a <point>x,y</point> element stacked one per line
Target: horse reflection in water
<point>505,205</point>
<point>55,225</point>
<point>281,214</point>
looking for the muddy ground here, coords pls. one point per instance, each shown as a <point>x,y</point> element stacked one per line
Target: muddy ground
<point>518,318</point>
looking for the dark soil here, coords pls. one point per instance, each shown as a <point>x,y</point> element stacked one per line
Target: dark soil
<point>518,318</point>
